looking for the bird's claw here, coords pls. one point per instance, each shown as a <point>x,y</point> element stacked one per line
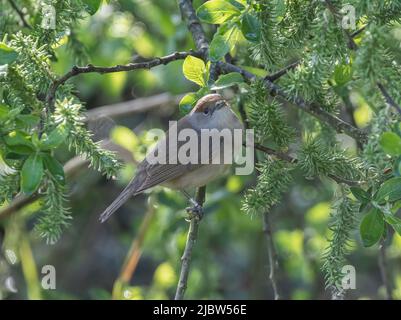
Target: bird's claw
<point>195,212</point>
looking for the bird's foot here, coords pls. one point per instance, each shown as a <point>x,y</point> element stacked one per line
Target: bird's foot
<point>195,212</point>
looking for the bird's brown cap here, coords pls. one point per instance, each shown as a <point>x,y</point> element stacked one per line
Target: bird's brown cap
<point>207,101</point>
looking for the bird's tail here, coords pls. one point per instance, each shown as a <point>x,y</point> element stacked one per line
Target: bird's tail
<point>117,203</point>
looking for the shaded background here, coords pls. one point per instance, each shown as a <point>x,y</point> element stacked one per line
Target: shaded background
<point>230,259</point>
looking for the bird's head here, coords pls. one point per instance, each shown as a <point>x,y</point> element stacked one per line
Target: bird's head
<point>212,111</point>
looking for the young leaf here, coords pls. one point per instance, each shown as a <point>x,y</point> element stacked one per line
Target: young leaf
<point>31,174</point>
<point>92,6</point>
<point>391,143</point>
<point>54,139</point>
<point>55,168</point>
<point>227,80</point>
<point>360,194</point>
<point>218,48</point>
<point>217,11</point>
<point>231,35</point>
<point>390,191</point>
<point>372,227</point>
<point>7,54</point>
<point>195,70</point>
<point>394,222</point>
<point>250,27</point>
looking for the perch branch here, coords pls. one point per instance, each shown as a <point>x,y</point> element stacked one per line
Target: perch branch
<point>189,246</point>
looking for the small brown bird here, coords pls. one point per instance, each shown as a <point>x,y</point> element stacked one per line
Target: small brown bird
<point>210,112</point>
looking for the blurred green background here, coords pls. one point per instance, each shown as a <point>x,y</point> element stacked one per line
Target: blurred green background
<point>230,259</point>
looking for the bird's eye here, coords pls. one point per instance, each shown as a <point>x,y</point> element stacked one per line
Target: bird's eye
<point>206,111</point>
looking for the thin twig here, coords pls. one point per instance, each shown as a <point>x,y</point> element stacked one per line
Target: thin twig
<point>189,246</point>
<point>134,254</point>
<point>271,253</point>
<point>382,260</point>
<point>20,14</point>
<point>51,95</point>
<point>277,75</point>
<point>388,98</point>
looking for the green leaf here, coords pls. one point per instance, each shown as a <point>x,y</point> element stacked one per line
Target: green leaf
<point>391,143</point>
<point>18,138</point>
<point>26,121</point>
<point>372,227</point>
<point>55,168</point>
<point>217,11</point>
<point>231,35</point>
<point>250,27</point>
<point>31,174</point>
<point>390,191</point>
<point>239,4</point>
<point>7,54</point>
<point>188,102</point>
<point>218,48</point>
<point>227,80</point>
<point>342,74</point>
<point>195,70</point>
<point>360,194</point>
<point>4,111</point>
<point>92,6</point>
<point>394,222</point>
<point>54,139</point>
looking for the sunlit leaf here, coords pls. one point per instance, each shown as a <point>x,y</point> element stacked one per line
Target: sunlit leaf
<point>54,139</point>
<point>195,70</point>
<point>217,11</point>
<point>394,221</point>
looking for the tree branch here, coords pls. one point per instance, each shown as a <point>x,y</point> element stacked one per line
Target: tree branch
<point>277,75</point>
<point>191,240</point>
<point>311,108</point>
<point>194,26</point>
<point>390,101</point>
<point>51,95</point>
<point>271,253</point>
<point>20,14</point>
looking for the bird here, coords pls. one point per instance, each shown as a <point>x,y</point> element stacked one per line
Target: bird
<point>210,112</point>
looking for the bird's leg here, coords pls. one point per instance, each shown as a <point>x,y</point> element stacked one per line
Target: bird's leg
<point>194,212</point>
